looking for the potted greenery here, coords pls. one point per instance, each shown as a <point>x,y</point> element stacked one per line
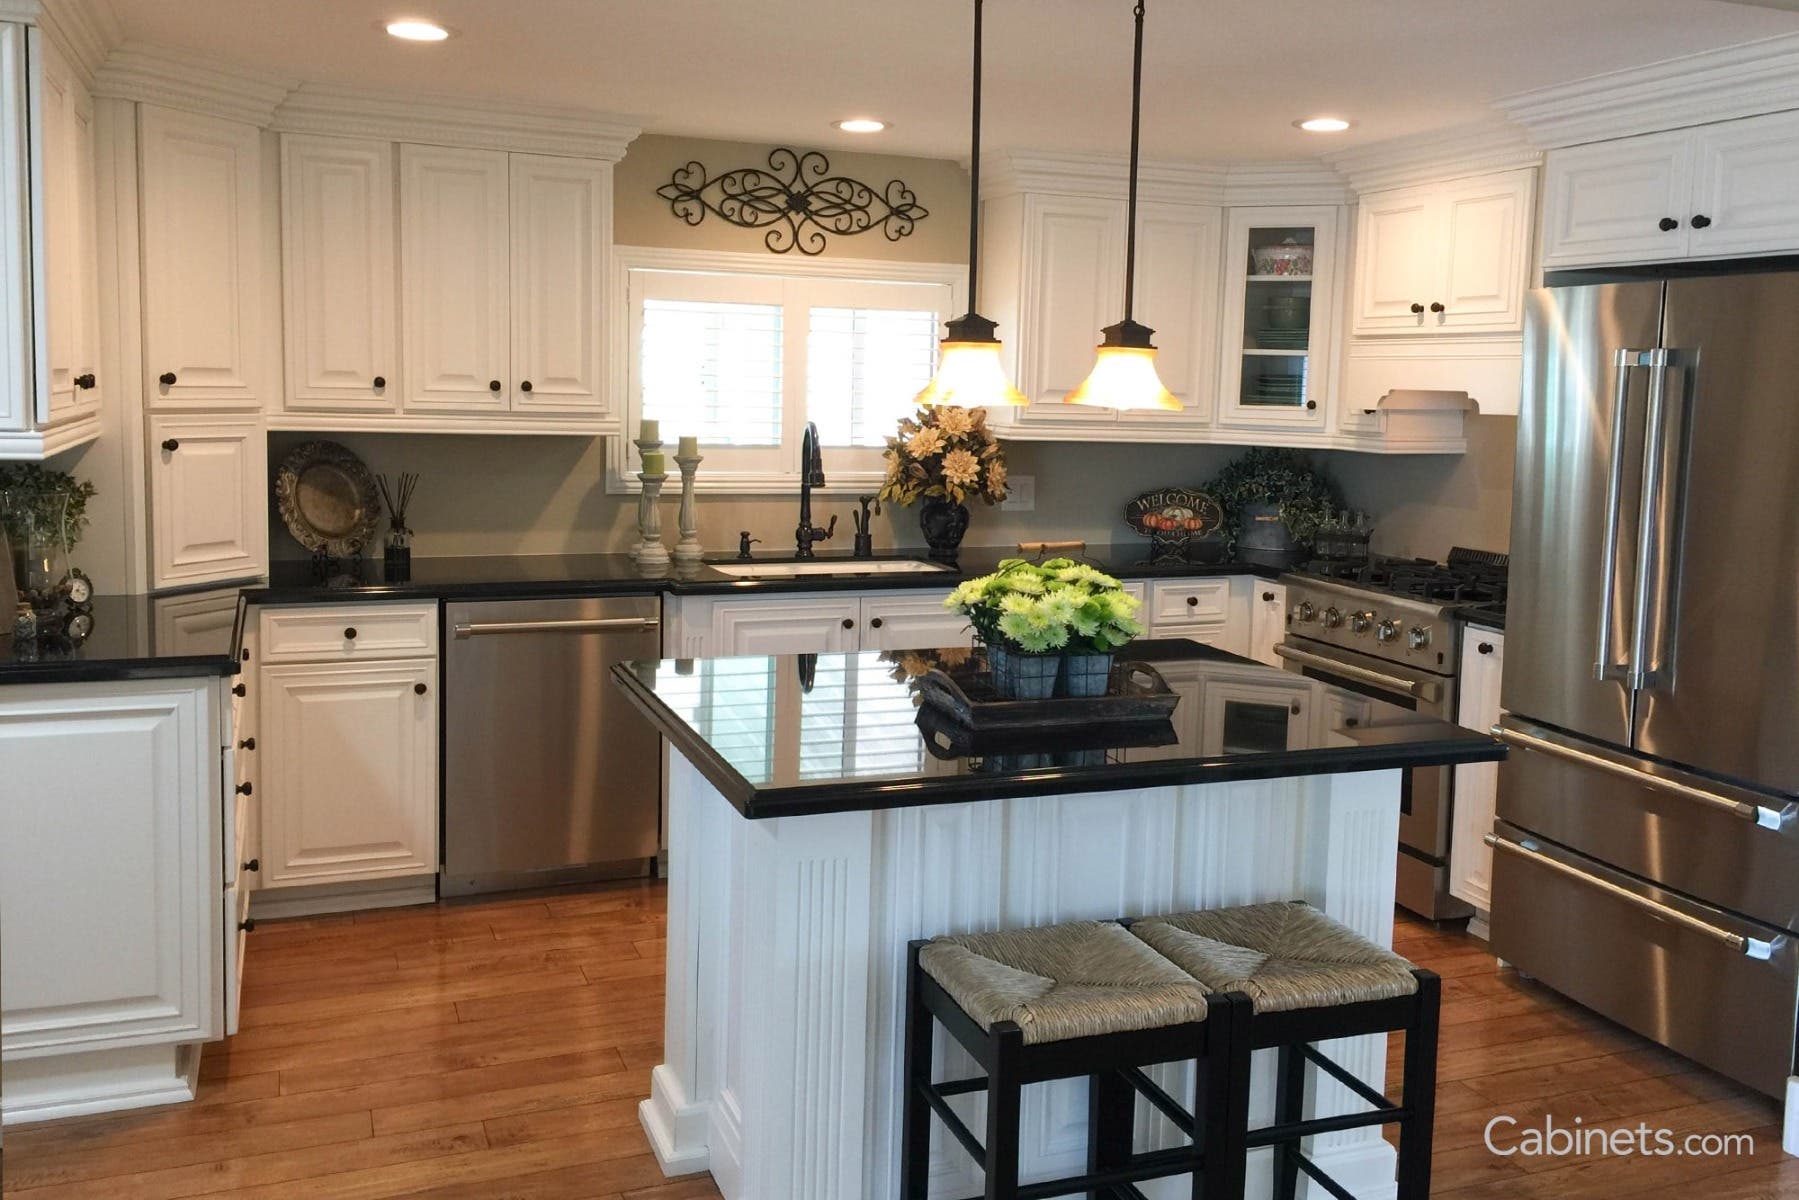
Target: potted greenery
<point>943,456</point>
<point>1044,623</point>
<point>1274,503</point>
<point>42,514</point>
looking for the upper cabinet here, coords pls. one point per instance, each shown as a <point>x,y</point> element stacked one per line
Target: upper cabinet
<point>49,294</point>
<point>201,218</point>
<point>1444,258</point>
<point>561,227</point>
<point>1725,190</point>
<point>1279,306</point>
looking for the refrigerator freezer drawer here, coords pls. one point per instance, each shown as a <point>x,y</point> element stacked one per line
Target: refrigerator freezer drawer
<point>1732,848</point>
<point>1679,973</point>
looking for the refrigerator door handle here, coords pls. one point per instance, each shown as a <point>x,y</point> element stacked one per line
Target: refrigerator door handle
<point>1748,947</point>
<point>1650,544</point>
<point>1604,668</point>
<point>1743,810</point>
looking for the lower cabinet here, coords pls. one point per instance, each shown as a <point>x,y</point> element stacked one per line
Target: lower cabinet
<point>1213,610</point>
<point>1267,620</point>
<point>816,623</point>
<point>349,762</point>
<point>1476,784</point>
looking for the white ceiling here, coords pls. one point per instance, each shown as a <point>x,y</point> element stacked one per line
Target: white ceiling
<point>1224,78</point>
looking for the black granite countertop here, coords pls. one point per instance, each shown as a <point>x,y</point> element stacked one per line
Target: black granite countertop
<point>563,575</point>
<point>122,644</point>
<point>797,734</point>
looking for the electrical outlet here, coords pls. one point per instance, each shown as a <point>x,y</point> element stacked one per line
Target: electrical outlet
<point>1021,494</point>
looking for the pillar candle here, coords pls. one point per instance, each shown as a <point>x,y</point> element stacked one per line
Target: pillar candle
<point>653,463</point>
<point>689,447</point>
<point>650,431</point>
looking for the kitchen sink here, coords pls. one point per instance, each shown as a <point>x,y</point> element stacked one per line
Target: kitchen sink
<point>841,568</point>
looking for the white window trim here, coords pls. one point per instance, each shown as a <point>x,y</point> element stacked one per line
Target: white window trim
<point>620,479</point>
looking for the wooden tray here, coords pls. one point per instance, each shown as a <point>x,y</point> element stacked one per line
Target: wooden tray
<point>1137,694</point>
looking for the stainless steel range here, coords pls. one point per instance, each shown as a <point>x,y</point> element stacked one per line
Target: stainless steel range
<point>1390,628</point>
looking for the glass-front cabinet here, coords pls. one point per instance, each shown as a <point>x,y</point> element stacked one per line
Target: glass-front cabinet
<point>1279,330</point>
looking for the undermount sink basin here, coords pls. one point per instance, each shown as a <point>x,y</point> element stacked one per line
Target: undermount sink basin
<point>840,568</point>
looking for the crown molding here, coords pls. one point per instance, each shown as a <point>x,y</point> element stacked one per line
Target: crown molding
<point>1715,85</point>
<point>87,30</point>
<point>454,121</point>
<point>185,80</point>
<point>1106,177</point>
<point>1250,184</point>
<point>1437,157</point>
<point>25,12</point>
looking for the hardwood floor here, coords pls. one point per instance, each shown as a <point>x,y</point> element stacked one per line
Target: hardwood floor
<point>497,1051</point>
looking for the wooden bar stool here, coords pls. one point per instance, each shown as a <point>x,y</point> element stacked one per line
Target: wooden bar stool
<point>1310,979</point>
<point>1061,1002</point>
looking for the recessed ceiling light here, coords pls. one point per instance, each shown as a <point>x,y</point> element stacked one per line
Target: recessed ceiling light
<point>1323,124</point>
<point>413,30</point>
<point>861,125</point>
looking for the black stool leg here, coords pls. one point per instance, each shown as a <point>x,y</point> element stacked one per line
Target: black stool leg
<point>1289,1107</point>
<point>1420,1094</point>
<point>1222,1102</point>
<point>1111,1113</point>
<point>915,1112</point>
<point>1005,1094</point>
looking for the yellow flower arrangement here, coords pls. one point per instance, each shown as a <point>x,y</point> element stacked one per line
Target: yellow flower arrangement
<point>945,451</point>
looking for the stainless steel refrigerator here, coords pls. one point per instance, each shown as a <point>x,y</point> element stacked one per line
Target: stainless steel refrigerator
<point>1646,859</point>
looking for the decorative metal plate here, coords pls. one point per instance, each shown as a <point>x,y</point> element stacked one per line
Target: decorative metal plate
<point>327,499</point>
<point>1179,511</point>
<point>798,196</point>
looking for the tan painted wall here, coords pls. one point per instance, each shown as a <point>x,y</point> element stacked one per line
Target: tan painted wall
<point>642,218</point>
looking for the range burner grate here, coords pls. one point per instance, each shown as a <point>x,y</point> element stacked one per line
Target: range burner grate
<point>1473,577</point>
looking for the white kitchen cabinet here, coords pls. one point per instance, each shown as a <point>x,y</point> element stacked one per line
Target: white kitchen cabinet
<point>1279,329</point>
<point>1267,620</point>
<point>454,248</point>
<point>1476,784</point>
<point>910,621</point>
<point>70,332</point>
<point>561,227</point>
<point>338,251</point>
<point>349,767</point>
<point>1213,610</point>
<point>1745,187</point>
<point>201,229</point>
<point>1072,287</point>
<point>1444,259</point>
<point>785,625</point>
<point>1248,715</point>
<point>208,498</point>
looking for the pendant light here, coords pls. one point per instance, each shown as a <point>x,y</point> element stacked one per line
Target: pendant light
<point>1124,375</point>
<point>970,373</point>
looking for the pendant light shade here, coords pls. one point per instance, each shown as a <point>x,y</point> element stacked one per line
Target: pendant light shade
<point>1124,376</point>
<point>971,371</point>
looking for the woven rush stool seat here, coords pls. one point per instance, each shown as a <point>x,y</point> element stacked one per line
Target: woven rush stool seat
<point>1310,979</point>
<point>1080,1000</point>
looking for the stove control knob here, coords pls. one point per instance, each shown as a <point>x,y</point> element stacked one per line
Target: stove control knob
<point>1419,637</point>
<point>1360,622</point>
<point>1307,611</point>
<point>1386,631</point>
<point>1332,618</point>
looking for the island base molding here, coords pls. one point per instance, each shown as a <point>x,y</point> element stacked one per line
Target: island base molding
<point>786,957</point>
<point>96,1081</point>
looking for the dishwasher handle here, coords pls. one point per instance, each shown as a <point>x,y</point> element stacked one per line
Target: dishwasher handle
<point>601,625</point>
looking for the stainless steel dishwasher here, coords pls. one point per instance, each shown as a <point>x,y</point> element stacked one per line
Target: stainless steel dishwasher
<point>549,775</point>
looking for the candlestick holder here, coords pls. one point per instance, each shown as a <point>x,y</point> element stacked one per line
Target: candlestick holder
<point>687,550</point>
<point>650,552</point>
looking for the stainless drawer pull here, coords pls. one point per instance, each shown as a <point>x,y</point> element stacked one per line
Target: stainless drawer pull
<point>1767,818</point>
<point>603,625</point>
<point>1746,946</point>
<point>1423,690</point>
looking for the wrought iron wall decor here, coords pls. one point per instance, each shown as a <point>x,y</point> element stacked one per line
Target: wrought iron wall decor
<point>797,198</point>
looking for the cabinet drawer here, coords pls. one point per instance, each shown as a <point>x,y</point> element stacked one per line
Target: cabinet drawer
<point>1189,602</point>
<point>351,631</point>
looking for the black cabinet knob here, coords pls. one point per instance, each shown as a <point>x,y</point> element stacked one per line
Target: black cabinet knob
<point>1436,306</point>
<point>525,386</point>
<point>1267,596</point>
<point>1417,308</point>
<point>85,381</point>
<point>254,864</point>
<point>1667,224</point>
<point>1192,601</point>
<point>875,623</point>
<point>1310,404</point>
<point>1485,648</point>
<point>239,690</point>
<point>493,385</point>
<point>848,624</point>
<point>171,445</point>
<point>1295,709</point>
<point>244,654</point>
<point>248,743</point>
<point>419,689</point>
<point>380,381</point>
<point>1701,221</point>
<point>350,634</point>
<point>244,788</point>
<point>167,379</point>
<point>248,924</point>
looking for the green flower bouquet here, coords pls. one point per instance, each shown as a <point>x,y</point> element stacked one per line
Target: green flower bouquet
<point>1047,623</point>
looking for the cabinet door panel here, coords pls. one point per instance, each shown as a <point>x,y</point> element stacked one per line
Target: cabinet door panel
<point>202,252</point>
<point>1486,227</point>
<point>1476,784</point>
<point>902,622</point>
<point>337,244</point>
<point>350,766</point>
<point>1267,620</point>
<point>1747,186</point>
<point>1074,289</point>
<point>68,339</point>
<point>1276,368</point>
<point>209,511</point>
<point>1399,259</point>
<point>561,226</point>
<point>785,626</point>
<point>1177,296</point>
<point>453,251</point>
<point>1605,203</point>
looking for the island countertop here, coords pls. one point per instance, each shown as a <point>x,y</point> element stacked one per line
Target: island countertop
<point>789,735</point>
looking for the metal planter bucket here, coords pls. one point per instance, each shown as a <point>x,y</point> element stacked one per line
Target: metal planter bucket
<point>1086,674</point>
<point>1020,676</point>
<point>1265,539</point>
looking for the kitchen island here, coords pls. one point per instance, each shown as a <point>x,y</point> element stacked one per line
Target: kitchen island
<point>818,820</point>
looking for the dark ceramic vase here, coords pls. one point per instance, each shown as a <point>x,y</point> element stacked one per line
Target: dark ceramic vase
<point>944,522</point>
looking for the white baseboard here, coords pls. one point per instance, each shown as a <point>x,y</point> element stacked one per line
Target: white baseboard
<point>98,1081</point>
<point>274,903</point>
<point>676,1128</point>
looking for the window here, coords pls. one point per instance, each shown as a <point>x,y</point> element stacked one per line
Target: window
<point>744,358</point>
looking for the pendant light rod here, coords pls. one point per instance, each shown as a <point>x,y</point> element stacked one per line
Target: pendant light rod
<point>1130,229</point>
<point>974,170</point>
